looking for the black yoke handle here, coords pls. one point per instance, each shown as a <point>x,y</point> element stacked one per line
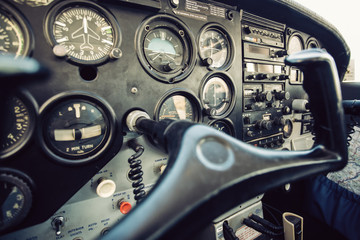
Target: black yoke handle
<point>210,172</point>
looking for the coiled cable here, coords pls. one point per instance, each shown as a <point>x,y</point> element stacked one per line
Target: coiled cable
<point>135,174</point>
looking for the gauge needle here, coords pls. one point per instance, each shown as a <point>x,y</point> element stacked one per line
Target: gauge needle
<point>77,134</point>
<point>85,25</point>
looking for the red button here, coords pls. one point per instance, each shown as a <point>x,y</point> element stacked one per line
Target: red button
<point>125,207</point>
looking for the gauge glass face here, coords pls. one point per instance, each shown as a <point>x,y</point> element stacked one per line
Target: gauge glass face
<point>295,45</point>
<point>288,128</point>
<point>85,33</point>
<point>163,50</point>
<point>11,36</point>
<point>216,95</point>
<point>16,127</point>
<point>12,200</point>
<point>223,126</point>
<point>76,129</point>
<point>177,107</point>
<point>214,45</point>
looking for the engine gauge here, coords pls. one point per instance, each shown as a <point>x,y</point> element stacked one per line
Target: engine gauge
<point>15,200</point>
<point>86,32</point>
<point>166,48</point>
<point>77,129</point>
<point>19,115</point>
<point>296,44</point>
<point>217,95</point>
<point>15,37</point>
<point>215,47</point>
<point>312,43</point>
<point>223,125</point>
<point>178,105</point>
<point>288,128</point>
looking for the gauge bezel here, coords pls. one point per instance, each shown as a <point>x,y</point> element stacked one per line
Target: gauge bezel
<point>24,183</point>
<point>194,101</point>
<point>227,122</point>
<point>63,5</point>
<point>33,109</point>
<point>228,80</point>
<point>175,26</point>
<point>23,23</point>
<point>48,107</point>
<point>299,36</point>
<point>230,41</point>
<point>310,41</point>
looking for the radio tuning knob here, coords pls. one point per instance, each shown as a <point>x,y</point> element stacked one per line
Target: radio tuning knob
<point>282,95</point>
<point>286,110</point>
<point>261,97</point>
<point>262,76</point>
<point>264,124</point>
<point>283,77</point>
<point>281,53</point>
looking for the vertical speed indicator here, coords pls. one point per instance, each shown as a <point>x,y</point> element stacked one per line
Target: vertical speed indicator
<point>85,32</point>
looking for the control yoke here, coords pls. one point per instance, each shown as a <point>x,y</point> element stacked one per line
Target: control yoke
<point>210,172</point>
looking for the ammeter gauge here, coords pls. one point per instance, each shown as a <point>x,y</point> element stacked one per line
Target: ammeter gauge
<point>223,125</point>
<point>77,129</point>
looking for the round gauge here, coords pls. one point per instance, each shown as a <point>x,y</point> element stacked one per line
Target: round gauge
<point>288,128</point>
<point>85,32</point>
<point>178,105</point>
<point>215,47</point>
<point>223,125</point>
<point>14,33</point>
<point>77,129</point>
<point>312,43</point>
<point>19,115</point>
<point>165,48</point>
<point>217,95</point>
<point>15,200</point>
<point>295,44</point>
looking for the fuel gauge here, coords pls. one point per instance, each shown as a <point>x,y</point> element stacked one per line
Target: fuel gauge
<point>77,129</point>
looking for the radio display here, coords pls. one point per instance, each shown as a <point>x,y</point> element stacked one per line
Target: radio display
<point>264,68</point>
<point>259,50</point>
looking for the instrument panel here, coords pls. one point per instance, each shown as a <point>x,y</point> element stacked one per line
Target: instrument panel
<point>170,60</point>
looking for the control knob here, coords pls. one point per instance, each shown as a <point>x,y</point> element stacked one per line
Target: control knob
<point>261,97</point>
<point>264,124</point>
<point>282,95</point>
<point>262,76</point>
<point>301,105</point>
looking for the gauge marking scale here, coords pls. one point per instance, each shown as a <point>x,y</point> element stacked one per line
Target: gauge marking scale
<point>86,31</point>
<point>76,128</point>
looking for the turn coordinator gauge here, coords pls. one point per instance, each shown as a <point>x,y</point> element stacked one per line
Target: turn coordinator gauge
<point>76,128</point>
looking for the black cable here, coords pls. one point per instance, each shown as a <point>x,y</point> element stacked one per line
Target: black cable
<point>262,229</point>
<point>266,224</point>
<point>136,173</point>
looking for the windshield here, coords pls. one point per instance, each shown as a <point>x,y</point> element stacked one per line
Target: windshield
<point>343,16</point>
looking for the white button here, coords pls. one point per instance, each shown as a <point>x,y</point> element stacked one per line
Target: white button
<point>106,188</point>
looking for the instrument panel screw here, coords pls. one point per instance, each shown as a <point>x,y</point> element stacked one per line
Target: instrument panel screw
<point>134,90</point>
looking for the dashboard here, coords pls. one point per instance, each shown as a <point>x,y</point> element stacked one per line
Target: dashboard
<point>67,170</point>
